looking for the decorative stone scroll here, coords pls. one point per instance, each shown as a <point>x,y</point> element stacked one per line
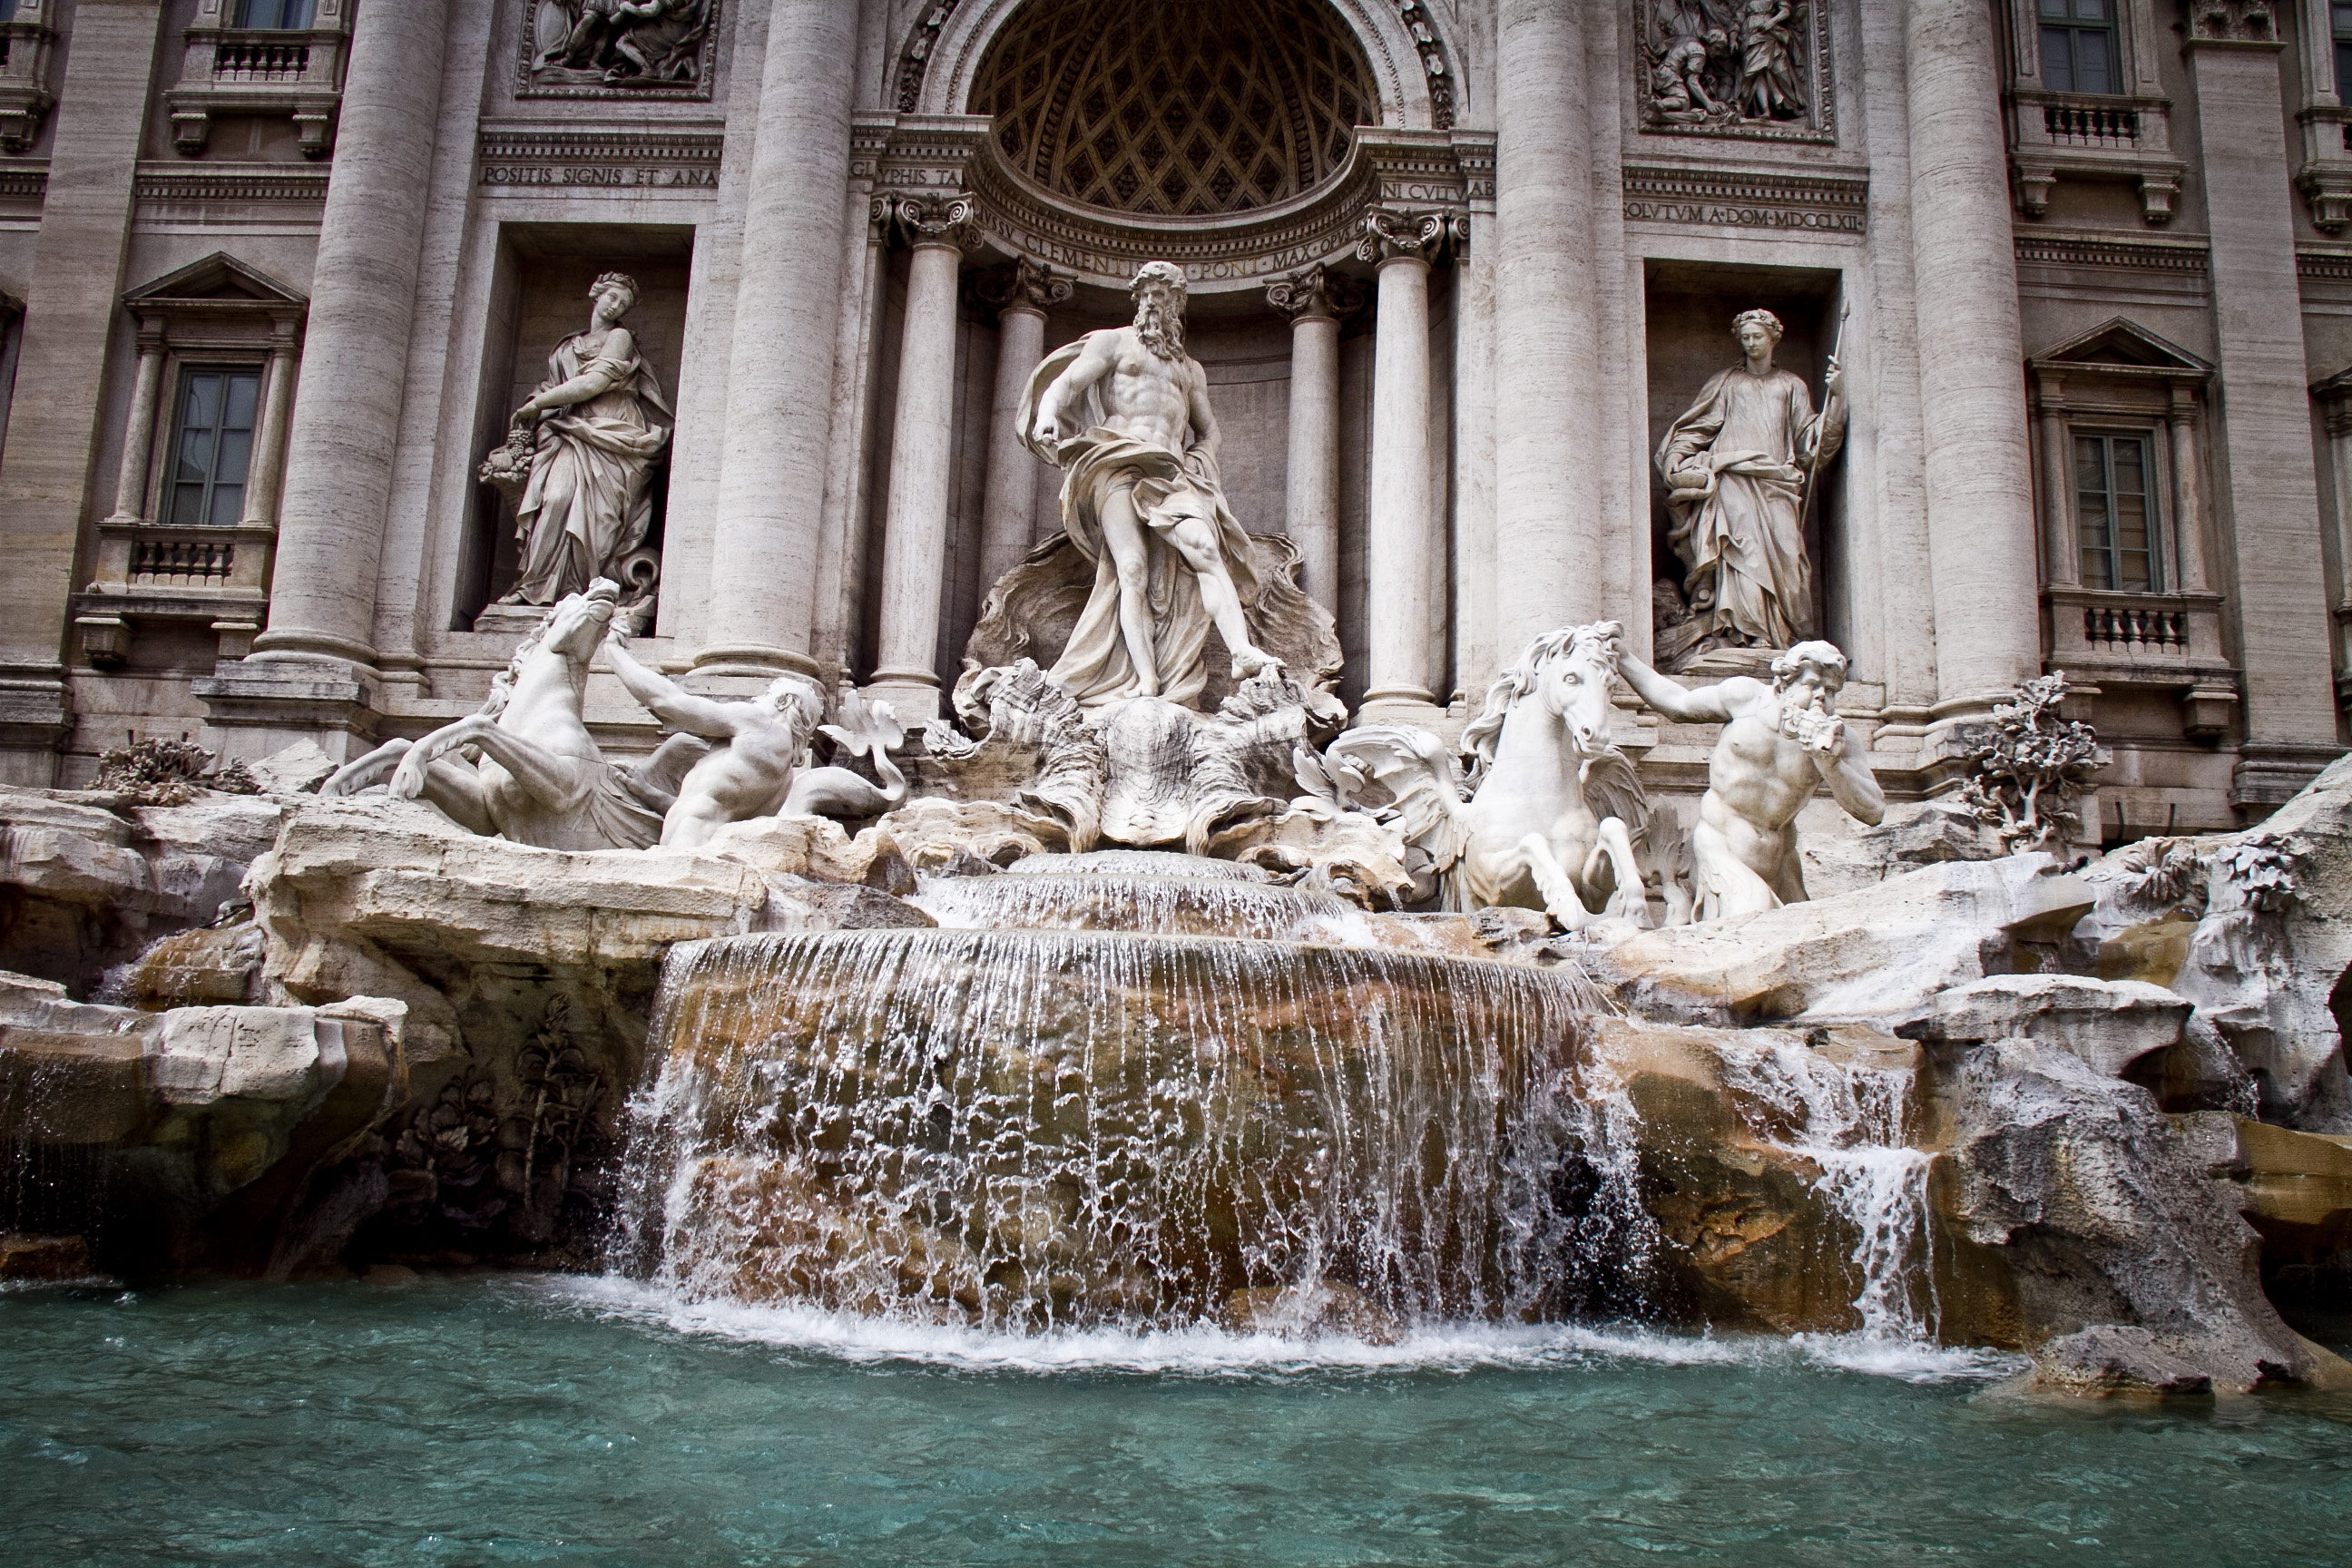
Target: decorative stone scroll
<point>618,48</point>
<point>1315,291</point>
<point>1736,68</point>
<point>1389,233</point>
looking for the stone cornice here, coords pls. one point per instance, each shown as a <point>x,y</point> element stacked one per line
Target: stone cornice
<point>649,156</point>
<point>21,177</point>
<point>952,156</point>
<point>2122,252</point>
<point>223,182</point>
<point>1747,198</point>
<point>2324,266</point>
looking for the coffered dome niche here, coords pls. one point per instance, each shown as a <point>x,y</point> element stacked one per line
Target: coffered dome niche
<point>1175,108</point>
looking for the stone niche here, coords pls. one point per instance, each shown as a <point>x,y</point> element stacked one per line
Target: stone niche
<point>1688,309</point>
<point>539,296</point>
<point>1244,345</point>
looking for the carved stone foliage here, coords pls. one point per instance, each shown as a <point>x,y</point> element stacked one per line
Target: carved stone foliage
<point>1021,284</point>
<point>2032,766</point>
<point>1032,608</point>
<point>1736,68</point>
<point>2235,21</point>
<point>618,48</point>
<point>1316,291</point>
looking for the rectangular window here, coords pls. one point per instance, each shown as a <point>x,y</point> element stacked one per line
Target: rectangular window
<point>212,445</point>
<point>2340,23</point>
<point>276,14</point>
<point>2116,511</point>
<point>2078,47</point>
<point>7,10</point>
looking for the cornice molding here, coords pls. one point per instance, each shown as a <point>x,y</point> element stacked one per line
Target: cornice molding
<point>2119,252</point>
<point>651,156</point>
<point>1747,198</point>
<point>222,182</point>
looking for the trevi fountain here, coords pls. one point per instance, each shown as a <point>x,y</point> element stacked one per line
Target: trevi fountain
<point>1174,1088</point>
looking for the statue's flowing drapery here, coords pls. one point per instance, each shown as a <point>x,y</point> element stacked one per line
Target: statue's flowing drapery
<point>1168,487</point>
<point>1742,534</point>
<point>590,500</point>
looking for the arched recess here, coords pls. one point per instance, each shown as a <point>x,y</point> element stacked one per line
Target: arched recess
<point>1414,63</point>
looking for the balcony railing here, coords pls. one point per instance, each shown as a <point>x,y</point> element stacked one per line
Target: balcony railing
<point>160,561</point>
<point>2135,626</point>
<point>260,71</point>
<point>261,59</point>
<point>2090,125</point>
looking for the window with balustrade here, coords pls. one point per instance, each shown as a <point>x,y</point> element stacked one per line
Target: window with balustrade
<point>2118,511</point>
<point>212,445</point>
<point>276,14</point>
<point>2079,53</point>
<point>2086,102</point>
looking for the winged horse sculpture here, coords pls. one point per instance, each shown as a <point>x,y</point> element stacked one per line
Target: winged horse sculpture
<point>525,766</point>
<point>1547,815</point>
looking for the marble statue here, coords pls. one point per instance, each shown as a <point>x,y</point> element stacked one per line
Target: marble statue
<point>760,743</point>
<point>540,778</point>
<point>1769,88</point>
<point>1549,814</point>
<point>1738,465</point>
<point>1779,743</point>
<point>1125,411</point>
<point>593,430</point>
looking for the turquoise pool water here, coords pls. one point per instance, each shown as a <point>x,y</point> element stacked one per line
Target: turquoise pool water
<point>506,1420</point>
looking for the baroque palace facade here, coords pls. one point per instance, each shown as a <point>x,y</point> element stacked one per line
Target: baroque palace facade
<point>281,273</point>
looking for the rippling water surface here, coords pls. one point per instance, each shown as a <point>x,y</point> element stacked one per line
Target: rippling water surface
<point>529,1421</point>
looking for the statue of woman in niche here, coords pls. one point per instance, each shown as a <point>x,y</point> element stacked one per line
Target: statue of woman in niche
<point>592,431</point>
<point>1736,466</point>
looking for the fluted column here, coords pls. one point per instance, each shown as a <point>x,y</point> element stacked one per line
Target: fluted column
<point>1008,509</point>
<point>1398,548</point>
<point>922,450</point>
<point>1313,300</point>
<point>2062,553</point>
<point>763,558</point>
<point>267,475</point>
<point>138,433</point>
<point>363,307</point>
<point>1982,539</point>
<point>1552,539</point>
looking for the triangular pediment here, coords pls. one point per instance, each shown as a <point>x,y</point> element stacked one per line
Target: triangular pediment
<point>2124,344</point>
<point>219,277</point>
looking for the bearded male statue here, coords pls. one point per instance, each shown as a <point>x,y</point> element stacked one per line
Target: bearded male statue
<point>1125,411</point>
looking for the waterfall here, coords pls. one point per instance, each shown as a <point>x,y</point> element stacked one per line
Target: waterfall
<point>1850,1118</point>
<point>1036,1127</point>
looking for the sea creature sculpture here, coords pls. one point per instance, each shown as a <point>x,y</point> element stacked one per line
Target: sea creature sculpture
<point>1549,813</point>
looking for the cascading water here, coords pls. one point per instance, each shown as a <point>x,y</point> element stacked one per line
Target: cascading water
<point>1851,1119</point>
<point>1021,1128</point>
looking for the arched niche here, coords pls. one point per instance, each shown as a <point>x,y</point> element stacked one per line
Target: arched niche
<point>1403,42</point>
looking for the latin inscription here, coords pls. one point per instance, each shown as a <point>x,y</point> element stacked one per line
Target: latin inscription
<point>602,174</point>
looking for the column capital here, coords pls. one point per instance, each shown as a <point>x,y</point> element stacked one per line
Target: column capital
<point>2234,22</point>
<point>1022,285</point>
<point>1315,291</point>
<point>1392,234</point>
<point>917,221</point>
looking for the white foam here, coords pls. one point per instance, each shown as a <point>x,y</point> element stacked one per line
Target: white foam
<point>1209,1352</point>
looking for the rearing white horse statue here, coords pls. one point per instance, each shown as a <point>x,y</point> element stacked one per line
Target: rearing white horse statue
<point>1548,816</point>
<point>541,779</point>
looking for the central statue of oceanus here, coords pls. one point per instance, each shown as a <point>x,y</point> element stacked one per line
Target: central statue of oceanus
<point>1125,412</point>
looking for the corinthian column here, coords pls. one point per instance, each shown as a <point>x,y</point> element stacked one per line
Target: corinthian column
<point>1313,300</point>
<point>1398,550</point>
<point>1980,526</point>
<point>355,351</point>
<point>763,558</point>
<point>1008,510</point>
<point>1550,533</point>
<point>922,451</point>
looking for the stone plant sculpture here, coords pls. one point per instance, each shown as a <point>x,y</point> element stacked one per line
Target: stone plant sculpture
<point>1548,816</point>
<point>2029,772</point>
<point>1779,744</point>
<point>1738,465</point>
<point>540,778</point>
<point>580,459</point>
<point>1126,411</point>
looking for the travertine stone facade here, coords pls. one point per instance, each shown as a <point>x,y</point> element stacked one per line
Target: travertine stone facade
<point>270,293</point>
